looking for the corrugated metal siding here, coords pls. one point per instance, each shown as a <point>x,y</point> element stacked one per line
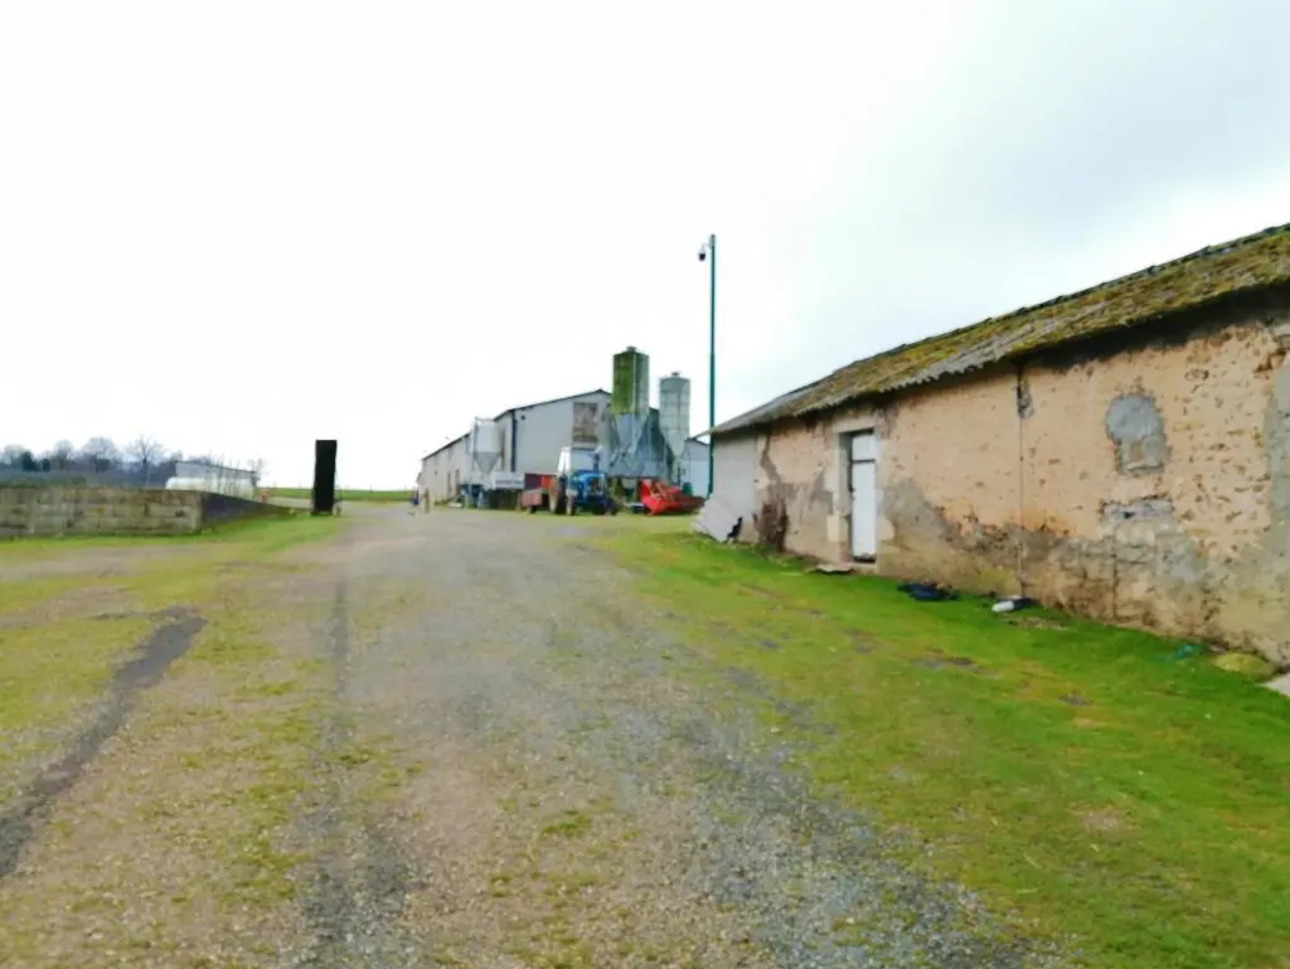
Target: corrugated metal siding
<point>696,462</point>
<point>546,428</point>
<point>441,471</point>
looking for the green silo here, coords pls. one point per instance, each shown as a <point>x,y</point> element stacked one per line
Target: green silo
<point>631,383</point>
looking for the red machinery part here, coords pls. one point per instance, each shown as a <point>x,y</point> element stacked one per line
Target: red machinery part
<point>661,499</point>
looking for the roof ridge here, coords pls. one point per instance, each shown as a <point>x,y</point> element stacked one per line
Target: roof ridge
<point>552,400</point>
<point>1214,250</point>
<point>1253,261</point>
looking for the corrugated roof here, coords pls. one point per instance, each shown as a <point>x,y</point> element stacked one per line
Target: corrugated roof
<point>1247,264</point>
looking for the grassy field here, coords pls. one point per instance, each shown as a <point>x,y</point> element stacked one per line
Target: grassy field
<point>345,494</point>
<point>1103,786</point>
<point>56,650</point>
<point>205,774</point>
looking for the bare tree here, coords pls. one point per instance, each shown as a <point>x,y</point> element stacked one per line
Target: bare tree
<point>61,455</point>
<point>257,471</point>
<point>12,455</point>
<point>145,452</point>
<point>101,453</point>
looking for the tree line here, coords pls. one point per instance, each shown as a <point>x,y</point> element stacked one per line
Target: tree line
<point>144,460</point>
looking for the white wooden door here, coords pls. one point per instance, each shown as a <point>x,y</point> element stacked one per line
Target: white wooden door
<point>864,496</point>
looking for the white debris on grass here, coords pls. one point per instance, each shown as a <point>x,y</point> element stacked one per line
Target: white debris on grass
<point>717,520</point>
<point>1281,684</point>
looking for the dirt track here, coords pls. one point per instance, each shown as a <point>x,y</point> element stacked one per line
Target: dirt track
<point>467,743</point>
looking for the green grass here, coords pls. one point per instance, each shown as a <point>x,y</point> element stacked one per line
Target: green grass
<point>48,673</point>
<point>21,594</point>
<point>1087,780</point>
<point>261,537</point>
<point>570,823</point>
<point>230,732</point>
<point>346,494</point>
<point>55,656</point>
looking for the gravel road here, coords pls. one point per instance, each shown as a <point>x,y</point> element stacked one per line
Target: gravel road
<point>514,764</point>
<point>573,796</point>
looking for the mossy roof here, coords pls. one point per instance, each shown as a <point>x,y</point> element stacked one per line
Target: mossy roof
<point>1151,295</point>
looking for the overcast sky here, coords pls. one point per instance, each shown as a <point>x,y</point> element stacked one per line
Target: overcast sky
<point>236,227</point>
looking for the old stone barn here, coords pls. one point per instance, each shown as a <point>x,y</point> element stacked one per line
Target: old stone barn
<point>1123,452</point>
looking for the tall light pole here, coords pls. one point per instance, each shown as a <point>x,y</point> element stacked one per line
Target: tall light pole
<point>708,251</point>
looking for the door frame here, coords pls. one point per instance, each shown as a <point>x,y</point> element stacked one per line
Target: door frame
<point>849,440</point>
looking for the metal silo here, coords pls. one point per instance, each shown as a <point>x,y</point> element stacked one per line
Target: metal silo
<point>631,383</point>
<point>674,421</point>
<point>485,452</point>
<point>628,412</point>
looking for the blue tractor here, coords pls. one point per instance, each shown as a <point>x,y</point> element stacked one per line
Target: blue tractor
<point>579,488</point>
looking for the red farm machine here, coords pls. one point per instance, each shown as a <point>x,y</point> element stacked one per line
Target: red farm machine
<point>657,498</point>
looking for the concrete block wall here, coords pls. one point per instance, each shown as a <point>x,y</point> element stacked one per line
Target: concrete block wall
<point>29,511</point>
<point>217,509</point>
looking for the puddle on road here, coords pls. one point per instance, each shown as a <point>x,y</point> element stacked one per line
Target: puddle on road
<point>163,646</point>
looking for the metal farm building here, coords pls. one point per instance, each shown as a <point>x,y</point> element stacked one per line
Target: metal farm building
<point>530,438</point>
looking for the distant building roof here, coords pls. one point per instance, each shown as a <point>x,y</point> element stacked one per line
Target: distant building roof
<point>540,403</point>
<point>553,400</point>
<point>444,447</point>
<point>1244,265</point>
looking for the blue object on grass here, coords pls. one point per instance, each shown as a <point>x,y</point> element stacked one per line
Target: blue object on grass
<point>926,592</point>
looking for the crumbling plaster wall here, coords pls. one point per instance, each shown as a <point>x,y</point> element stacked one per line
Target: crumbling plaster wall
<point>803,469</point>
<point>1149,486</point>
<point>1148,482</point>
<point>951,480</point>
